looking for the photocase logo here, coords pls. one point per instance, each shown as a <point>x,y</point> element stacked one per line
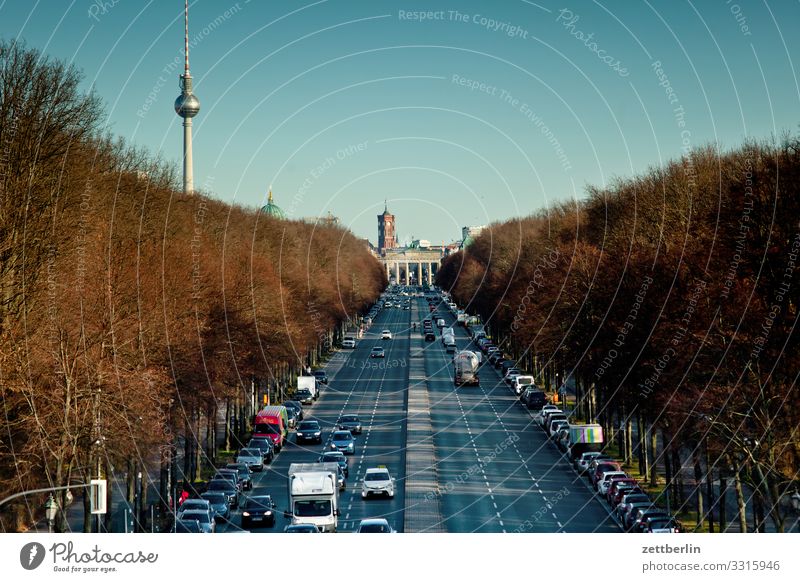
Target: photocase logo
<point>31,555</point>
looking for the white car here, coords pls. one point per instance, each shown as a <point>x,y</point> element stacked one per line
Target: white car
<point>377,481</point>
<point>582,463</point>
<point>195,505</point>
<point>349,342</point>
<point>207,523</point>
<point>605,480</point>
<point>386,334</point>
<point>375,525</point>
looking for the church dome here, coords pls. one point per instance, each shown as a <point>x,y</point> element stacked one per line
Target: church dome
<point>273,209</point>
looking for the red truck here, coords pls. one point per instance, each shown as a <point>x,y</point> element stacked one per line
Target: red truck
<point>272,422</point>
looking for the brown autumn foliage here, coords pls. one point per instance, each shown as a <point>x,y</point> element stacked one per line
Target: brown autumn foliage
<point>129,311</point>
<point>671,299</point>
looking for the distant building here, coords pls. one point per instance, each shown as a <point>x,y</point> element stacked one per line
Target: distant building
<point>387,238</point>
<point>469,233</point>
<point>420,243</point>
<point>329,220</point>
<point>272,209</point>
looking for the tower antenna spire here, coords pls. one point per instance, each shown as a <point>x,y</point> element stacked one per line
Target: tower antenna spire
<point>187,106</point>
<point>186,36</point>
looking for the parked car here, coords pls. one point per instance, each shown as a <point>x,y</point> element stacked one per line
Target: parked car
<point>219,507</point>
<point>202,517</point>
<point>245,475</point>
<point>556,421</point>
<point>195,505</point>
<point>297,405</point>
<point>258,510</point>
<point>429,336</point>
<point>188,526</point>
<point>349,342</point>
<point>627,501</point>
<point>582,462</point>
<point>230,475</point>
<point>309,430</point>
<point>640,523</point>
<point>655,525</point>
<point>226,487</point>
<point>601,468</point>
<point>350,422</point>
<point>321,376</point>
<point>253,458</point>
<point>265,445</point>
<point>291,416</point>
<point>629,516</point>
<point>617,484</point>
<point>621,491</point>
<point>604,482</point>
<point>342,440</point>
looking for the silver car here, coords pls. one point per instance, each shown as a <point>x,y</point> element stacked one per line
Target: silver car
<point>252,458</point>
<point>342,440</point>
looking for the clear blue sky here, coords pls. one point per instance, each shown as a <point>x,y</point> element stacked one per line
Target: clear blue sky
<point>290,89</point>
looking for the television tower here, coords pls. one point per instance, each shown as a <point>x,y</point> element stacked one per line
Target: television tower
<point>187,106</point>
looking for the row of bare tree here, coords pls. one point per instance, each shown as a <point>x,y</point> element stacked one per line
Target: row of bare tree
<point>128,311</point>
<point>671,300</point>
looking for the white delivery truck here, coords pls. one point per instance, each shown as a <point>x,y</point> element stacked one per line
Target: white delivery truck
<point>314,495</point>
<point>466,369</point>
<point>310,384</point>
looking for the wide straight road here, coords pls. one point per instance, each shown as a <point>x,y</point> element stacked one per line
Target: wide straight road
<point>376,390</point>
<point>497,470</point>
<point>494,468</point>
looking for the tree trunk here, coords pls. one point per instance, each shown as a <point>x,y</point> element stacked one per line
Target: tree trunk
<point>740,502</point>
<point>698,487</point>
<point>227,425</point>
<point>677,478</point>
<point>709,490</point>
<point>668,486</point>
<point>775,506</point>
<point>723,509</point>
<point>653,455</point>
<point>628,458</point>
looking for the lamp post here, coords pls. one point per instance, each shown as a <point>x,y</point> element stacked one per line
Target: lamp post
<point>50,510</point>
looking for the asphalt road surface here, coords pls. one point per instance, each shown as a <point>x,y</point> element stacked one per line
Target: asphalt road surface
<point>495,469</point>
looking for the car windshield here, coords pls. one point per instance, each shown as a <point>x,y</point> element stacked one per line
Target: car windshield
<point>259,503</point>
<point>376,477</point>
<point>250,453</point>
<point>377,349</point>
<point>190,504</point>
<point>220,485</point>
<point>259,444</point>
<point>312,508</point>
<point>308,426</point>
<point>304,393</point>
<point>349,419</point>
<point>214,499</point>
<point>374,528</point>
<point>262,428</point>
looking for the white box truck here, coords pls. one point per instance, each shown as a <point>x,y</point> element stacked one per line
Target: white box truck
<point>310,384</point>
<point>314,495</point>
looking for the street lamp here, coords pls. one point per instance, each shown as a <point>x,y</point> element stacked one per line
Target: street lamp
<point>50,510</point>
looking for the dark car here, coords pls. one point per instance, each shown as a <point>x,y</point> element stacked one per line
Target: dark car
<point>219,505</point>
<point>298,407</point>
<point>495,357</point>
<point>350,422</point>
<point>336,457</point>
<point>506,366</point>
<point>245,476</point>
<point>601,468</point>
<point>661,525</point>
<point>309,430</point>
<point>429,336</point>
<point>226,487</point>
<point>265,445</point>
<point>229,474</point>
<point>534,398</point>
<point>305,396</point>
<point>258,510</point>
<point>640,524</point>
<point>321,376</point>
<point>188,526</point>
